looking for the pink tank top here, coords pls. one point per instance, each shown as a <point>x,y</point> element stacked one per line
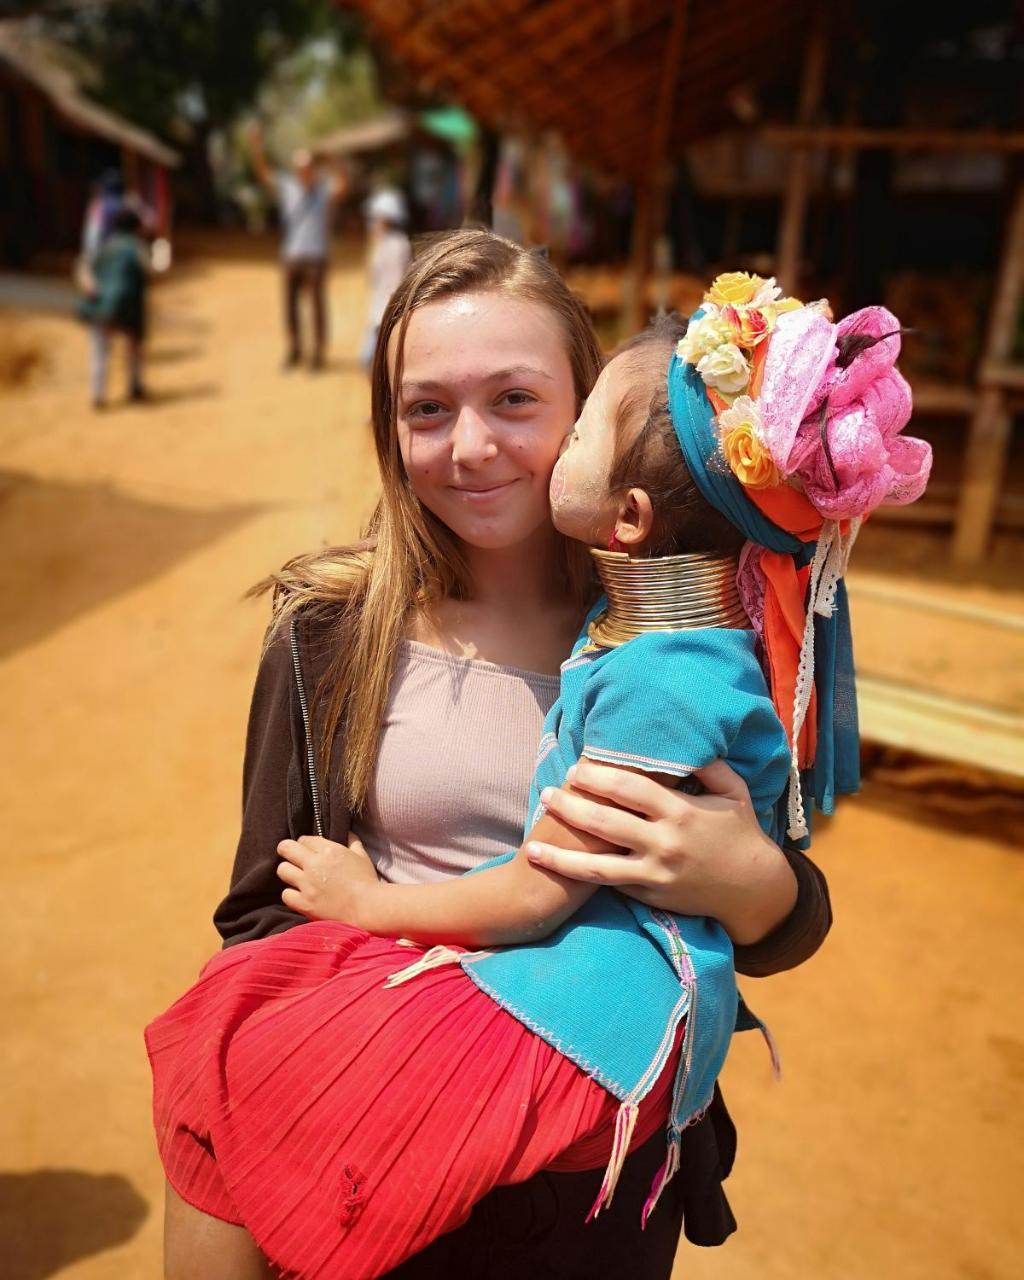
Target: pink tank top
<point>456,758</point>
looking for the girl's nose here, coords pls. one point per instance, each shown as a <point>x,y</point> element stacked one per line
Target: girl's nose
<point>473,442</point>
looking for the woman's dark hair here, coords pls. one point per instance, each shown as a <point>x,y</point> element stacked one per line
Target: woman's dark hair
<point>647,453</point>
<point>111,183</point>
<point>126,219</point>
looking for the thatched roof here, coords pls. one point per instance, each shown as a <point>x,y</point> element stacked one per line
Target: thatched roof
<point>590,71</point>
<point>29,58</point>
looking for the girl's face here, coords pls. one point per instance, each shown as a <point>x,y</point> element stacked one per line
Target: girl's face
<point>486,400</point>
<point>581,505</point>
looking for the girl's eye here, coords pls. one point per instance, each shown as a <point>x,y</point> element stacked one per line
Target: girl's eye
<point>425,409</point>
<point>518,399</point>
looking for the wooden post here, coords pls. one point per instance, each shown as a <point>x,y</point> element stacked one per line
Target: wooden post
<point>791,226</point>
<point>649,213</point>
<point>989,436</point>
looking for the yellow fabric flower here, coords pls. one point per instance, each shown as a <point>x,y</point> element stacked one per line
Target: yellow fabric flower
<point>733,288</point>
<point>746,453</point>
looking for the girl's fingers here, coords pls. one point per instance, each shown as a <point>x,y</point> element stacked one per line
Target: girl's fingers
<point>593,868</point>
<point>293,851</point>
<point>317,844</point>
<point>292,898</point>
<point>605,821</point>
<point>623,787</point>
<point>288,873</point>
<point>722,780</point>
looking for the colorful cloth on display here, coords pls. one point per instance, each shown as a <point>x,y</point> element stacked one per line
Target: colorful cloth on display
<point>610,987</point>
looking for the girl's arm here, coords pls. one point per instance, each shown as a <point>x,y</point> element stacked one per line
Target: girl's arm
<point>514,902</point>
<point>701,854</point>
<point>275,802</point>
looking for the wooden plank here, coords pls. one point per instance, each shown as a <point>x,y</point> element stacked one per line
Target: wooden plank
<point>855,138</point>
<point>941,727</point>
<point>943,397</point>
<point>984,466</point>
<point>649,213</point>
<point>794,207</point>
<point>864,585</point>
<point>1010,377</point>
<point>988,443</point>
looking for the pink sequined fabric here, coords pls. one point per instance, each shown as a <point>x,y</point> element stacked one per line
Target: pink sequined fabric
<point>869,404</point>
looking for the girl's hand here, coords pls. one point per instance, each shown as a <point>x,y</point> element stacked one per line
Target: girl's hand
<point>328,881</point>
<point>694,855</point>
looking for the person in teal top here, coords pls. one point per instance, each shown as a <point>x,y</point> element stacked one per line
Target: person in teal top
<point>621,1013</point>
<point>116,301</point>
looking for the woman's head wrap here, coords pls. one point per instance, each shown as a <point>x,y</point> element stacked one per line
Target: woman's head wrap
<point>790,427</point>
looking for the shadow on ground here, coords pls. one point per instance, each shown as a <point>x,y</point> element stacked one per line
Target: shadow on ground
<point>50,1218</point>
<point>165,395</point>
<point>70,548</point>
<point>958,799</point>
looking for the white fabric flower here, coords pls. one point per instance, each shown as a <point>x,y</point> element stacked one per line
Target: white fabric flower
<point>768,292</point>
<point>742,411</point>
<point>703,336</point>
<point>725,369</point>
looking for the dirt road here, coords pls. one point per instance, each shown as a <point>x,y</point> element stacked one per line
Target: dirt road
<point>891,1149</point>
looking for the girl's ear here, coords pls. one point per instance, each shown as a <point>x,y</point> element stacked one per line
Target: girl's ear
<point>635,520</point>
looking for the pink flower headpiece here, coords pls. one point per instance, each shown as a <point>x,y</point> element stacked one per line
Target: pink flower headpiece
<point>803,401</point>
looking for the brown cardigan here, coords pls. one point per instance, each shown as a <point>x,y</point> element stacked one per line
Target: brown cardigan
<point>277,803</point>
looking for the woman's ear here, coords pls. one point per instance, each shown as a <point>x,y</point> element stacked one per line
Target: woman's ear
<point>635,519</point>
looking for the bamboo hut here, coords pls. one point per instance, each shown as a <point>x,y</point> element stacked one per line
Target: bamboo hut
<point>54,141</point>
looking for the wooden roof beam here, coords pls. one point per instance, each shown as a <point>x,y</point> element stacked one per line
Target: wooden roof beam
<point>852,138</point>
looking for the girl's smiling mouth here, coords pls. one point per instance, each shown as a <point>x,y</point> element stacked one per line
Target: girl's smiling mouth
<point>483,493</point>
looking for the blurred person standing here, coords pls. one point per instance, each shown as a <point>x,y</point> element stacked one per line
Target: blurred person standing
<point>388,258</point>
<point>305,198</point>
<point>107,198</point>
<point>115,281</point>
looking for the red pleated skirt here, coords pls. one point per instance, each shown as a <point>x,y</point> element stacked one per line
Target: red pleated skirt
<point>346,1125</point>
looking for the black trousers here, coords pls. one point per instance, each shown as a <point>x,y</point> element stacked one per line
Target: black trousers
<point>305,275</point>
<point>536,1230</point>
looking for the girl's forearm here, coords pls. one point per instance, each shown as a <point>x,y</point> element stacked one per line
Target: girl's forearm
<point>515,902</point>
<point>762,900</point>
<point>496,907</point>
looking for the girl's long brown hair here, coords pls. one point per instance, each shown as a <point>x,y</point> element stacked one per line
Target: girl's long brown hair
<point>408,558</point>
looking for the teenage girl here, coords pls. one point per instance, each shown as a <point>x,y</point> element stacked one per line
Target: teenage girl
<point>481,520</point>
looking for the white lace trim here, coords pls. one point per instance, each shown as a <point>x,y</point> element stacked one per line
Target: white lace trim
<point>831,557</point>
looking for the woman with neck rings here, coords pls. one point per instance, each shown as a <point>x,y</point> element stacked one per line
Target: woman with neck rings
<point>428,656</point>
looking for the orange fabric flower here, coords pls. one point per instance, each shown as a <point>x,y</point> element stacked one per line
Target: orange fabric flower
<point>750,325</point>
<point>750,462</point>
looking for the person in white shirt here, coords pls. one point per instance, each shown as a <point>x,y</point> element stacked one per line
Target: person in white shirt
<point>305,198</point>
<point>387,261</point>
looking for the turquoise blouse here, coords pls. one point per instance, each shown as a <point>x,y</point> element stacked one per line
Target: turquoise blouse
<point>610,987</point>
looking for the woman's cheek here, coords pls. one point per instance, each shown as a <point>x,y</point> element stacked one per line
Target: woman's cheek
<point>425,460</point>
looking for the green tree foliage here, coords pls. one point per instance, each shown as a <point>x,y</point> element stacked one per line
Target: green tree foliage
<point>173,65</point>
<point>187,69</point>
